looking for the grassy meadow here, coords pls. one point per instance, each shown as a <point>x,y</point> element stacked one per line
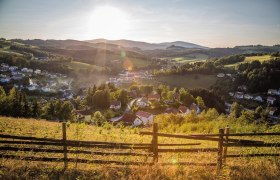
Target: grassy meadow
<point>239,168</point>
<point>249,59</point>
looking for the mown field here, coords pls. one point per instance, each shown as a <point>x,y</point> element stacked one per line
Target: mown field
<point>240,168</point>
<point>187,81</point>
<point>262,59</point>
<point>191,58</point>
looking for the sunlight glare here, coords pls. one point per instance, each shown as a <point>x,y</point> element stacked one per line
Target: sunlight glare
<point>108,22</point>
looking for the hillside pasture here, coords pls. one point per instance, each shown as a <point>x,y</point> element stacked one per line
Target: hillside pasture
<point>249,59</point>
<point>239,168</point>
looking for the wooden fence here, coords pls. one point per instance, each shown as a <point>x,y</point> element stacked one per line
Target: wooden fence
<point>152,149</point>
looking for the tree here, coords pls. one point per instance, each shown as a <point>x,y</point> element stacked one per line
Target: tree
<point>186,97</point>
<point>236,109</point>
<point>66,111</point>
<point>98,118</point>
<point>123,97</point>
<point>35,109</point>
<point>200,102</point>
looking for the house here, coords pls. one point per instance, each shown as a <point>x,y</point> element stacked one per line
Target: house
<point>5,80</point>
<point>17,77</point>
<point>227,107</point>
<point>239,95</point>
<point>4,68</point>
<point>26,70</point>
<point>130,120</point>
<point>154,97</point>
<point>184,110</point>
<point>142,102</point>
<point>195,108</point>
<point>270,100</point>
<point>273,92</point>
<point>171,110</point>
<point>220,75</point>
<point>272,110</point>
<point>168,101</point>
<point>231,94</point>
<point>84,115</point>
<point>145,117</point>
<point>242,88</point>
<point>37,71</point>
<point>248,96</point>
<point>116,105</point>
<point>258,98</point>
<point>32,87</point>
<point>176,96</point>
<point>132,94</point>
<point>13,68</point>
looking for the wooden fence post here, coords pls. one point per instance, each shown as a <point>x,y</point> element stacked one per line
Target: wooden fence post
<point>226,142</point>
<point>220,151</point>
<point>65,145</point>
<point>155,142</point>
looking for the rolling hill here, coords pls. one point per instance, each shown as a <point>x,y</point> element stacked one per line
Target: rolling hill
<point>147,46</point>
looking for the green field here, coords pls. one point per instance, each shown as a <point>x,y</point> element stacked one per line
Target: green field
<point>250,59</point>
<point>187,81</point>
<point>258,58</point>
<point>193,57</point>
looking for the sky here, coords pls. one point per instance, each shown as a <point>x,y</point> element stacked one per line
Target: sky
<point>212,23</point>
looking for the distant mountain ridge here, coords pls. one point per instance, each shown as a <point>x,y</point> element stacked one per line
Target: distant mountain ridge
<point>148,46</point>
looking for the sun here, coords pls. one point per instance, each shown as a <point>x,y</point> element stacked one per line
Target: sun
<point>109,22</point>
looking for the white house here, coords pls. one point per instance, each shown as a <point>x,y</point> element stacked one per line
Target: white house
<point>239,95</point>
<point>142,102</point>
<point>5,80</point>
<point>17,77</point>
<point>37,71</point>
<point>272,110</point>
<point>271,100</point>
<point>13,68</point>
<point>248,96</point>
<point>115,105</point>
<point>273,92</point>
<point>258,98</point>
<point>130,119</point>
<point>145,117</point>
<point>195,108</point>
<point>231,94</point>
<point>220,75</point>
<point>32,87</point>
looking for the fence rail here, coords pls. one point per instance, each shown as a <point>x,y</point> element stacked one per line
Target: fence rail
<point>153,149</point>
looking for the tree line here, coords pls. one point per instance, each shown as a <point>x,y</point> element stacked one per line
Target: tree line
<point>17,104</point>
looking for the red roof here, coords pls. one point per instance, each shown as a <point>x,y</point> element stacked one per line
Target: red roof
<point>183,109</point>
<point>128,118</point>
<point>193,106</point>
<point>153,96</point>
<point>176,95</point>
<point>171,110</point>
<point>143,114</point>
<point>115,103</point>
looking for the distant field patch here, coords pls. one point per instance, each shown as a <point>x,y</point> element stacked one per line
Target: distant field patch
<point>187,81</point>
<point>258,58</point>
<point>250,59</point>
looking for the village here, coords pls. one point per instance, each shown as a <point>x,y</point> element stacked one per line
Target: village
<point>39,81</point>
<point>268,100</point>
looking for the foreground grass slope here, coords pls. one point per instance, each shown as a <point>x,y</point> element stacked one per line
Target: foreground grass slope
<point>240,168</point>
